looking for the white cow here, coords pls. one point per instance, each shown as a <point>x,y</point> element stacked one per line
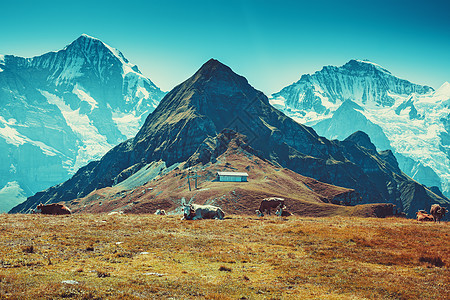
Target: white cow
<point>196,212</point>
<point>259,213</point>
<point>160,212</point>
<point>281,212</point>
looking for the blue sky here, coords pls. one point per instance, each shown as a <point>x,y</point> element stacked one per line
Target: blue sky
<point>272,43</point>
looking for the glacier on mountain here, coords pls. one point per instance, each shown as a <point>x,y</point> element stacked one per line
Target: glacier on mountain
<point>10,194</point>
<point>93,144</point>
<point>413,120</point>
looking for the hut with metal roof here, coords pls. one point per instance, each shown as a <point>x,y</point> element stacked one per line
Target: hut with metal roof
<point>232,176</point>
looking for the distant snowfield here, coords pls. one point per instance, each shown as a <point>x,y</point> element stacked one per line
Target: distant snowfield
<point>418,139</point>
<point>78,90</point>
<point>127,123</point>
<point>94,145</point>
<point>2,61</point>
<point>11,195</point>
<point>13,137</point>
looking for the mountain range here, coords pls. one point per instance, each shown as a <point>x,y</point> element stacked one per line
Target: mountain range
<point>60,110</point>
<point>215,99</point>
<point>410,119</point>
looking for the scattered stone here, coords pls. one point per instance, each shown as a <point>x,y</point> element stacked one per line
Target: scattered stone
<point>70,282</point>
<point>223,268</point>
<point>28,249</point>
<point>155,274</point>
<point>103,274</point>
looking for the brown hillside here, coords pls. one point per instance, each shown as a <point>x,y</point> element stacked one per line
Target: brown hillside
<point>304,196</point>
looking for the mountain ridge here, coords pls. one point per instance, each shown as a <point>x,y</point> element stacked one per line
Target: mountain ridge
<point>215,98</point>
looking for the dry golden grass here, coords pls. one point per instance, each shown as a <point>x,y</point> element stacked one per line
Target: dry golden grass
<point>88,256</point>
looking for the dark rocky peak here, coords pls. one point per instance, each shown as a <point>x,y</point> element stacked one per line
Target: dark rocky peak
<point>214,75</point>
<point>214,92</point>
<point>213,65</point>
<point>361,139</point>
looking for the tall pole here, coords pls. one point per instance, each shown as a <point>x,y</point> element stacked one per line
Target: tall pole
<point>196,179</point>
<point>189,183</point>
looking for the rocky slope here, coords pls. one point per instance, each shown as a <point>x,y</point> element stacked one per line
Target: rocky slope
<point>409,119</point>
<point>62,109</point>
<point>215,98</point>
<point>228,151</point>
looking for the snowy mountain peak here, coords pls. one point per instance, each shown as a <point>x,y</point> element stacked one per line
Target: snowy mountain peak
<point>444,90</point>
<point>365,63</point>
<point>411,119</point>
<point>88,36</point>
<point>64,108</point>
<point>92,45</point>
<point>85,41</point>
<point>361,81</point>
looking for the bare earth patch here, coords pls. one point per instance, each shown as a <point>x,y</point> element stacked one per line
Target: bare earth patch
<point>99,256</point>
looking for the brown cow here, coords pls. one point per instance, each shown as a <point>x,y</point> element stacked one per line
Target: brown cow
<point>53,209</point>
<point>423,216</point>
<point>437,212</point>
<point>268,203</point>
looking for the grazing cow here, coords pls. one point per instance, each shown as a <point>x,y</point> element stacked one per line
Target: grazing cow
<point>268,203</point>
<point>282,212</point>
<point>53,209</point>
<point>437,212</point>
<point>160,212</point>
<point>423,216</point>
<point>196,211</point>
<point>259,213</point>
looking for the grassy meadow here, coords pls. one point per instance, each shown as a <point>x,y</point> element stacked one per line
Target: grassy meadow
<point>100,256</point>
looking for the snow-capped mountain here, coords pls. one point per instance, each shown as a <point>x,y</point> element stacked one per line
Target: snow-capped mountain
<point>60,110</point>
<point>411,119</point>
